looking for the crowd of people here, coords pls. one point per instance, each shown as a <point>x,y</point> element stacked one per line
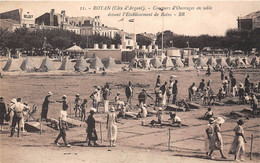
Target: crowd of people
<point>166,93</point>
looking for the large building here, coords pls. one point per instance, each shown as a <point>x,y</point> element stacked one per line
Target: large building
<point>18,18</point>
<point>54,20</point>
<point>250,21</point>
<point>92,26</point>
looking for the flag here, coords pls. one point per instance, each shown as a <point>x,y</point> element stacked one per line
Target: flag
<point>131,20</point>
<point>121,20</point>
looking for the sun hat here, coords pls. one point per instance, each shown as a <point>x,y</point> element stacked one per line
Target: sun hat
<point>50,93</point>
<point>77,95</point>
<point>112,109</point>
<point>219,120</point>
<point>211,119</point>
<point>13,100</point>
<point>160,109</point>
<point>64,96</point>
<point>143,89</point>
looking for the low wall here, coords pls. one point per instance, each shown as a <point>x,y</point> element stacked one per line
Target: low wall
<point>105,53</point>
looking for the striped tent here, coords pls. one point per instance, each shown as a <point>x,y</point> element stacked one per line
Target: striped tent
<point>212,62</point>
<point>27,64</point>
<point>47,63</point>
<point>155,62</point>
<point>167,62</point>
<point>11,65</point>
<point>66,64</point>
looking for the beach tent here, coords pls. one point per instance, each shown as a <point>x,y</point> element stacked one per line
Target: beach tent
<point>222,61</point>
<point>96,63</point>
<point>201,62</point>
<point>66,64</point>
<point>27,64</point>
<point>47,62</point>
<point>239,62</point>
<point>246,61</point>
<point>110,63</point>
<point>155,62</point>
<point>178,63</point>
<point>230,60</point>
<point>134,62</point>
<point>12,65</point>
<point>190,62</point>
<point>212,62</point>
<point>81,65</point>
<point>167,62</point>
<point>255,61</point>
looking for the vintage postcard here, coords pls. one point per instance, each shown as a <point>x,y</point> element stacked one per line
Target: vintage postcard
<point>129,81</point>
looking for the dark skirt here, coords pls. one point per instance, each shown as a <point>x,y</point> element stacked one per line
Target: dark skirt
<point>92,135</point>
<point>44,113</point>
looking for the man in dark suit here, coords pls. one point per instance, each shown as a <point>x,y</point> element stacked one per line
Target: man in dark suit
<point>174,92</point>
<point>129,92</point>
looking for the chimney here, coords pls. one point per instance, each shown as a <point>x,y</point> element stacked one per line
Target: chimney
<point>52,17</point>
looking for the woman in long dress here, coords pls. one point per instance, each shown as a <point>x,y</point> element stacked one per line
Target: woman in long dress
<point>111,127</point>
<point>238,145</point>
<point>217,143</point>
<point>209,135</point>
<point>91,130</point>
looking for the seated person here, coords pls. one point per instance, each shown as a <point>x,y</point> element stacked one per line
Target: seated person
<point>208,114</point>
<point>118,102</point>
<point>175,119</point>
<point>247,99</point>
<point>143,111</point>
<point>159,115</point>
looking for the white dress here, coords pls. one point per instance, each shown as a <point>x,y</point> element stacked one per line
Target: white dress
<point>111,128</point>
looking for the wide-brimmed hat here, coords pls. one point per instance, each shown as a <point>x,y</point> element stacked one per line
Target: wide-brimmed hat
<point>118,93</point>
<point>240,122</point>
<point>160,109</point>
<point>240,85</point>
<point>64,96</point>
<point>77,95</point>
<point>13,100</point>
<point>112,109</point>
<point>50,93</point>
<point>219,120</point>
<point>211,120</point>
<point>143,89</point>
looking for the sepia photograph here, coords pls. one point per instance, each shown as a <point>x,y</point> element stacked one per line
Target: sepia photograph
<point>129,81</point>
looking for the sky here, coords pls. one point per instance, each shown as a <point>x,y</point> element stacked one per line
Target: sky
<point>217,17</point>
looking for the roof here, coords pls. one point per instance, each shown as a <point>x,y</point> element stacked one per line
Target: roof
<point>75,48</point>
<point>251,15</point>
<point>172,48</point>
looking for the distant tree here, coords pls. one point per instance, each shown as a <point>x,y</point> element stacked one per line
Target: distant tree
<point>143,40</point>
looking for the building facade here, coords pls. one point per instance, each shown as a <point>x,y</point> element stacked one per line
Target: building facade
<point>18,18</point>
<point>249,22</point>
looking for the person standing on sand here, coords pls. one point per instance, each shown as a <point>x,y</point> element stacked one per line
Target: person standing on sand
<point>45,106</point>
<point>83,109</point>
<point>129,92</point>
<point>63,121</point>
<point>2,111</point>
<point>143,96</point>
<point>247,85</point>
<point>209,135</point>
<point>164,96</point>
<point>91,129</point>
<point>77,103</point>
<point>111,127</point>
<point>217,143</point>
<point>18,109</point>
<point>106,93</point>
<point>238,146</point>
<point>174,92</point>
